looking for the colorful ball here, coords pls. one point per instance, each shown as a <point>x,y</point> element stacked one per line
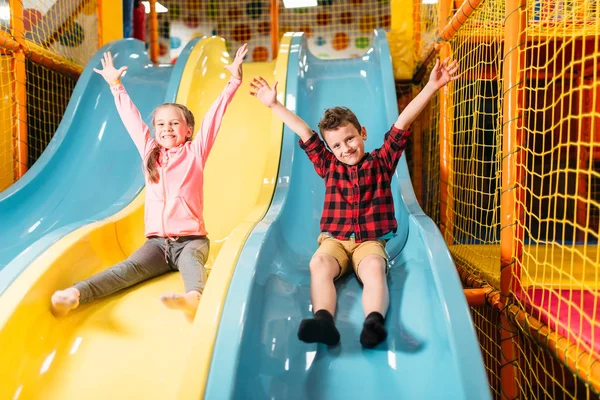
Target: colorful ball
<point>72,36</point>
<point>31,17</point>
<point>234,13</point>
<point>361,42</point>
<point>254,9</point>
<point>241,33</point>
<point>264,28</point>
<point>175,42</point>
<point>162,49</point>
<point>340,41</point>
<point>193,6</point>
<point>163,30</point>
<point>346,18</point>
<point>386,21</point>
<point>260,53</point>
<point>367,24</point>
<point>212,9</point>
<point>307,29</point>
<point>323,19</point>
<point>191,21</point>
<point>174,11</point>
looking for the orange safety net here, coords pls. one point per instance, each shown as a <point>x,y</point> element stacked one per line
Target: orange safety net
<point>45,44</point>
<point>552,156</point>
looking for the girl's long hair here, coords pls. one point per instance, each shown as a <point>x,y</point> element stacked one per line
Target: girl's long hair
<point>155,153</point>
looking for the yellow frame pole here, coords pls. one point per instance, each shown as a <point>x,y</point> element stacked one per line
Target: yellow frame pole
<point>110,17</point>
<point>20,91</point>
<point>446,151</point>
<point>153,32</point>
<point>511,233</point>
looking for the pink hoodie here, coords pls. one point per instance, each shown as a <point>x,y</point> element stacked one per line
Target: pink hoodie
<point>174,205</point>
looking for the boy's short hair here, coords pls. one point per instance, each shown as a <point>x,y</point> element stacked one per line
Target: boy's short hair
<point>336,117</point>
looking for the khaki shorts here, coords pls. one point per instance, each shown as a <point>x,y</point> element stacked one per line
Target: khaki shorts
<point>349,253</point>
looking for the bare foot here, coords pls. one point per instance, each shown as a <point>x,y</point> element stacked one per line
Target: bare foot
<point>188,303</point>
<point>64,301</point>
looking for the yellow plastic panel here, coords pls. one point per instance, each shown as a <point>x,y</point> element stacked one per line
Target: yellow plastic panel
<point>240,180</point>
<point>129,346</point>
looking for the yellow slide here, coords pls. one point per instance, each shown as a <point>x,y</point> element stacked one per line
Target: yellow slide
<point>129,346</point>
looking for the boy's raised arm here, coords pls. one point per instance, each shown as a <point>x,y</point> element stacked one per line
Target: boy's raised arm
<point>268,96</point>
<point>440,76</point>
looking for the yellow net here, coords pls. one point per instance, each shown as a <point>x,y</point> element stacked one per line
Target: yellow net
<point>48,96</point>
<point>551,153</point>
<point>558,281</point>
<point>333,28</point>
<point>426,23</point>
<point>486,321</point>
<point>45,44</point>
<point>474,124</point>
<point>338,28</point>
<point>424,161</point>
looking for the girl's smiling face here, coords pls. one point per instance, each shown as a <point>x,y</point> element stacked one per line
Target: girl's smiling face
<point>170,127</point>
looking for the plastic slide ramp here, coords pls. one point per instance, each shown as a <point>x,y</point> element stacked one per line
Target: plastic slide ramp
<point>90,169</point>
<point>431,351</point>
<point>128,345</point>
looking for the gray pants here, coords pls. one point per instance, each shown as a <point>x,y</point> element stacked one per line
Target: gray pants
<point>156,257</point>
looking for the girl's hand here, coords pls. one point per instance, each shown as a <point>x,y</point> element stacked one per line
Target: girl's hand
<point>443,73</point>
<point>236,66</point>
<point>263,92</point>
<point>110,74</point>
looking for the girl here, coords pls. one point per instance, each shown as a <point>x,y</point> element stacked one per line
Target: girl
<point>174,166</point>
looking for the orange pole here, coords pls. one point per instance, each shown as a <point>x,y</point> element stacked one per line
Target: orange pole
<point>274,28</point>
<point>20,90</point>
<point>153,32</point>
<point>460,17</point>
<point>52,61</point>
<point>100,23</point>
<point>8,43</point>
<point>39,55</point>
<point>511,200</point>
<point>477,297</point>
<point>446,196</point>
<point>584,108</point>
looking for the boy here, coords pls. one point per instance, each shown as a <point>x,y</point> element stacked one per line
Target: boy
<point>358,214</point>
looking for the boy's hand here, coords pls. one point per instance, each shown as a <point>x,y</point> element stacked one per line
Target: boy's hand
<point>110,74</point>
<point>443,73</point>
<point>263,92</point>
<point>236,66</point>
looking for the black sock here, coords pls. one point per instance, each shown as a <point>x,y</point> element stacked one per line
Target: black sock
<point>320,329</point>
<point>374,331</point>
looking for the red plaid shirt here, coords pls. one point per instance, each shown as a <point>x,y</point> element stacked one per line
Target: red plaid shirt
<point>358,198</point>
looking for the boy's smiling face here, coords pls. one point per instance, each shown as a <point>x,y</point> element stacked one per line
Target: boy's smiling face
<point>347,143</point>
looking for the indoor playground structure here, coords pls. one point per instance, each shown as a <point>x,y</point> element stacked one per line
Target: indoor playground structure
<point>494,274</point>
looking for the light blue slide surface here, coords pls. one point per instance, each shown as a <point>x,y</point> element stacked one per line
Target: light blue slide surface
<point>90,169</point>
<point>431,351</point>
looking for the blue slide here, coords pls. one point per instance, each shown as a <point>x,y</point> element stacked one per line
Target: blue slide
<point>431,351</point>
<point>90,169</point>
